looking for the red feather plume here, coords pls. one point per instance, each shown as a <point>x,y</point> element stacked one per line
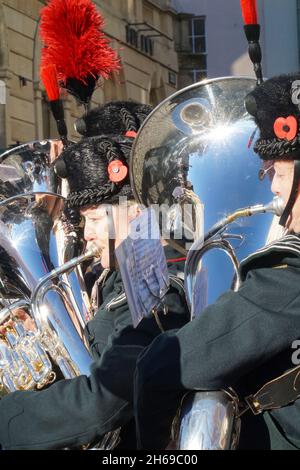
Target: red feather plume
<point>71,31</point>
<point>249,11</point>
<point>49,78</point>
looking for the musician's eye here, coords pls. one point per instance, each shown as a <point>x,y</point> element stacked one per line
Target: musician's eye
<point>99,218</point>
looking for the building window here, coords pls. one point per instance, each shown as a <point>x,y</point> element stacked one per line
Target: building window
<point>198,75</point>
<point>146,44</point>
<point>131,36</point>
<point>197,35</point>
<point>188,76</point>
<point>142,42</point>
<point>191,48</point>
<point>172,78</point>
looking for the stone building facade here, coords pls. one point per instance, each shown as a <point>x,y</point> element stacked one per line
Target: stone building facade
<point>142,31</point>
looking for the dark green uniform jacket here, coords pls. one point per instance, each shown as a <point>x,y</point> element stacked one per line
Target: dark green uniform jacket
<point>243,340</point>
<point>81,410</point>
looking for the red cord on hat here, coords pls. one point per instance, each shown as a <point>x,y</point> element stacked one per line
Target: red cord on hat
<point>117,171</point>
<point>176,260</point>
<point>249,11</point>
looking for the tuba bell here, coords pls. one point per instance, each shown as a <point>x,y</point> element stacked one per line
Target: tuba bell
<point>196,149</point>
<point>44,304</point>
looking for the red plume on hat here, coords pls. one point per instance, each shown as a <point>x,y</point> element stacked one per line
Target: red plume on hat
<point>249,11</point>
<point>252,31</point>
<point>71,31</point>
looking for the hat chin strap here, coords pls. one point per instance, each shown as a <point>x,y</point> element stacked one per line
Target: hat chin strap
<point>111,241</point>
<point>111,248</point>
<point>293,196</point>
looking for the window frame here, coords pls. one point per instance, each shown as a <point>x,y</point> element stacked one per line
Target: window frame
<point>194,36</point>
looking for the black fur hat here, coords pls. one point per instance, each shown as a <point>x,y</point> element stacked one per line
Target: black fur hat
<point>97,167</point>
<point>116,117</point>
<point>275,107</point>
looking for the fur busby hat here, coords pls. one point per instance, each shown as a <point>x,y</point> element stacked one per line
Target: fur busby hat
<point>97,168</point>
<point>116,117</point>
<point>275,105</point>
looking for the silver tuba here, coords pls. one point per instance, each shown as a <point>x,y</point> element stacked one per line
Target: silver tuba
<point>196,149</point>
<point>43,303</point>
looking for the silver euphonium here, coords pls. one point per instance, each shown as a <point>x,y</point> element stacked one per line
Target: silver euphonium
<point>194,155</point>
<point>44,304</point>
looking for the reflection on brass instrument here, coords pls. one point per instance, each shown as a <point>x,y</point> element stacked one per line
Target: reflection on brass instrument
<point>199,141</point>
<point>276,206</point>
<point>24,360</point>
<point>45,285</point>
<point>210,241</point>
<point>27,170</point>
<point>209,421</point>
<point>43,303</point>
<point>28,344</point>
<point>195,115</point>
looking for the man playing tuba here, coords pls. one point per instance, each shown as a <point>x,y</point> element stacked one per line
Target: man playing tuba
<point>80,411</point>
<point>244,340</point>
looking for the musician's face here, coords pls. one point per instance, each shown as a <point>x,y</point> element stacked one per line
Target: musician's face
<point>281,186</point>
<point>105,222</point>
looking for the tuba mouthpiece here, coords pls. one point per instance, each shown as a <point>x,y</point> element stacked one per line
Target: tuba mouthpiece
<point>276,206</point>
<point>93,251</point>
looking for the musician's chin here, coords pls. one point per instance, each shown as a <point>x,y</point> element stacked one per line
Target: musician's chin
<point>105,258</point>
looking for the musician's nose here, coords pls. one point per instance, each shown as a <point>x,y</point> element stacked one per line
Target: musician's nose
<point>275,186</point>
<point>89,232</point>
